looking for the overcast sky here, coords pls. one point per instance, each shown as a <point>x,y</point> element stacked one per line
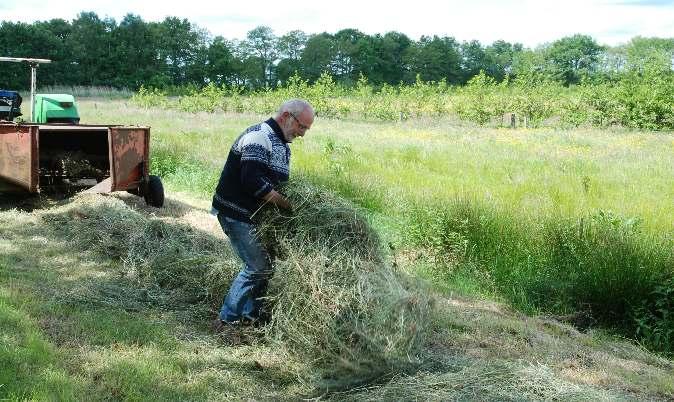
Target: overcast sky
<point>529,22</point>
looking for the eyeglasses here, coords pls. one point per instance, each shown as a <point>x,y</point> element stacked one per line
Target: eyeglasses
<point>300,125</point>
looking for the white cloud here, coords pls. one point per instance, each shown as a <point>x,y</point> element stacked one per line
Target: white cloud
<point>528,21</point>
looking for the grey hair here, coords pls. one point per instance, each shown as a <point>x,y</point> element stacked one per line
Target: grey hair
<point>294,106</point>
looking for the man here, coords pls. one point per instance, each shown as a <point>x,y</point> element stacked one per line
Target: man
<point>258,161</point>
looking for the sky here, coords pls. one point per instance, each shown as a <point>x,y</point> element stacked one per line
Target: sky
<point>529,22</point>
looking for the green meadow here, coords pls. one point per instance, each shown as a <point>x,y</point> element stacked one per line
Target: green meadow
<point>541,261</point>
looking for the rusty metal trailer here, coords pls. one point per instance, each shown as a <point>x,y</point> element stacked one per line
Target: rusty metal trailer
<point>102,158</point>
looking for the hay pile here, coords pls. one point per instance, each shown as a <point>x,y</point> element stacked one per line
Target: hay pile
<point>177,266</point>
<point>335,301</point>
<point>336,305</point>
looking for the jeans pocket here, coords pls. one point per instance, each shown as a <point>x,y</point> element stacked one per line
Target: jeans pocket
<point>224,224</point>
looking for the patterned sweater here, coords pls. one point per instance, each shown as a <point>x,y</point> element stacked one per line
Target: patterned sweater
<point>258,161</point>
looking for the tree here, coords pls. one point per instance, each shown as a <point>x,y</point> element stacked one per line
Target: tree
<point>54,36</point>
<point>181,50</point>
<point>289,49</point>
<point>347,58</point>
<point>14,40</point>
<point>434,59</point>
<point>500,58</point>
<point>573,57</point>
<point>291,45</point>
<point>473,60</point>
<point>135,57</point>
<point>529,67</point>
<point>261,46</point>
<point>392,63</point>
<point>370,60</point>
<point>221,65</point>
<point>656,52</point>
<point>317,56</point>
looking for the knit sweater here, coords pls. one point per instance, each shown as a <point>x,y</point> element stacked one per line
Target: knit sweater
<point>258,161</point>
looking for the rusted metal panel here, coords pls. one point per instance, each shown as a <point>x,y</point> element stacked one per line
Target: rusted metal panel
<point>75,128</point>
<point>129,150</point>
<point>19,155</point>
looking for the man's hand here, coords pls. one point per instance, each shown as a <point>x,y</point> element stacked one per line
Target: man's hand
<point>277,199</point>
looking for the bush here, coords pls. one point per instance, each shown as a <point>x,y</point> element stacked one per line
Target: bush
<point>654,318</point>
<point>638,99</point>
<point>209,99</point>
<point>647,100</point>
<point>150,97</point>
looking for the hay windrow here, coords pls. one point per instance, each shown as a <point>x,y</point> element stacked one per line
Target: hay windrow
<point>189,266</point>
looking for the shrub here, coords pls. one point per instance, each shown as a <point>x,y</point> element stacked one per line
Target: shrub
<point>654,318</point>
<point>647,100</point>
<point>209,99</point>
<point>640,99</point>
<point>150,97</point>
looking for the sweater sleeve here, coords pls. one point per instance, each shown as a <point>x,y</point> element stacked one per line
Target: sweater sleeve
<point>254,170</point>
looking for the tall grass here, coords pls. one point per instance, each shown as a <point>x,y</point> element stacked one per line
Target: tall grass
<point>88,91</point>
<point>600,266</point>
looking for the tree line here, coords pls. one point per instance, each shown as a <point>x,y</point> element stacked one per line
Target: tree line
<point>91,51</point>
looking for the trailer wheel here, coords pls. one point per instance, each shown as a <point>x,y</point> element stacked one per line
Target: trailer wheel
<point>155,192</point>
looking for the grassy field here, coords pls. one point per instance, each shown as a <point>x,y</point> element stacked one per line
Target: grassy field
<point>531,172</point>
<point>79,322</point>
<point>522,204</point>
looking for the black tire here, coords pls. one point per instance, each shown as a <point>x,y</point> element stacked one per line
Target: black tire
<point>155,192</point>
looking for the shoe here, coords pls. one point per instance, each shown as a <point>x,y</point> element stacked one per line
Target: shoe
<point>230,332</point>
<point>219,325</point>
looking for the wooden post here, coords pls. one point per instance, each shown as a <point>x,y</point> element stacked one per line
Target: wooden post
<point>509,120</point>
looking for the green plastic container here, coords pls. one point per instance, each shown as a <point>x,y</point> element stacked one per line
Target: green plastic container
<point>55,108</point>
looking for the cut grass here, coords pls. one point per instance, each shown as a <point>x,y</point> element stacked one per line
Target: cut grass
<point>75,318</point>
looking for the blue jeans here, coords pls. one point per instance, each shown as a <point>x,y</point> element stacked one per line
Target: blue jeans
<point>241,302</point>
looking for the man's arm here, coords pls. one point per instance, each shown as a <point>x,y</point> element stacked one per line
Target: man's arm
<point>277,199</point>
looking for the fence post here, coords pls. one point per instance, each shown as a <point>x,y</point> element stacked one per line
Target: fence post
<point>510,119</point>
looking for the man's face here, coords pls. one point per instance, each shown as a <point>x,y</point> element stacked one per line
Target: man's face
<point>296,125</point>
